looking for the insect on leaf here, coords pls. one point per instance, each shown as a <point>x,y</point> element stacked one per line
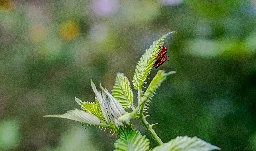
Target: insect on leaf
<point>161,58</point>
<point>147,62</point>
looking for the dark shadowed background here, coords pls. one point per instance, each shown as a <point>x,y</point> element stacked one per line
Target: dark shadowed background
<point>50,50</point>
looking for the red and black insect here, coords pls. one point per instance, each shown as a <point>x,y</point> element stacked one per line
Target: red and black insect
<point>161,58</point>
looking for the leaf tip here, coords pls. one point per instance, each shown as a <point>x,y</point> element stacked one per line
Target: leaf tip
<point>169,73</point>
<point>78,101</point>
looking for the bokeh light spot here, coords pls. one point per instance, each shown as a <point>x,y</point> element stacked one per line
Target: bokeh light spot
<point>37,33</point>
<point>9,134</point>
<point>105,7</point>
<point>170,2</point>
<point>98,32</point>
<point>236,52</point>
<point>69,30</point>
<point>6,5</point>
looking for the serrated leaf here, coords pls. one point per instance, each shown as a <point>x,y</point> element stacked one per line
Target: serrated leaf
<point>103,104</point>
<point>186,144</point>
<point>147,61</point>
<point>91,107</point>
<point>122,91</point>
<point>154,84</point>
<point>114,107</point>
<point>131,140</point>
<point>80,116</point>
<point>110,107</point>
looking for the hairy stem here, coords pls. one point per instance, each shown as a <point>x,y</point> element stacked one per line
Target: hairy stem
<point>139,111</point>
<point>135,111</point>
<point>141,105</point>
<point>150,129</point>
<point>139,97</point>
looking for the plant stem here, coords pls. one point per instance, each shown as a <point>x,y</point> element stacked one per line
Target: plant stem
<point>139,96</point>
<point>151,130</point>
<point>141,105</point>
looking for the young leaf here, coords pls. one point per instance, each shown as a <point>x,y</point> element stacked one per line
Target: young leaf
<point>147,61</point>
<point>103,104</point>
<point>80,116</point>
<point>115,108</point>
<point>122,91</point>
<point>154,84</point>
<point>110,107</point>
<point>91,107</point>
<point>186,144</point>
<point>131,140</point>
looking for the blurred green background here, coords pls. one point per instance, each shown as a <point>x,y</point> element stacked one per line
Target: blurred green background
<point>50,50</point>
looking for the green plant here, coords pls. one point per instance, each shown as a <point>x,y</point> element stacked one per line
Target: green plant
<point>111,110</point>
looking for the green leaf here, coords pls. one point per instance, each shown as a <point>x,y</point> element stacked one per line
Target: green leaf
<point>147,61</point>
<point>122,91</point>
<point>103,104</point>
<point>154,84</point>
<point>80,116</point>
<point>110,107</point>
<point>115,108</point>
<point>91,107</point>
<point>131,140</point>
<point>186,144</point>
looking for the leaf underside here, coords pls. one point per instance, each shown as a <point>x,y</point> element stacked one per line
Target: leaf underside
<point>110,107</point>
<point>115,107</point>
<point>186,143</point>
<point>80,116</point>
<point>103,103</point>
